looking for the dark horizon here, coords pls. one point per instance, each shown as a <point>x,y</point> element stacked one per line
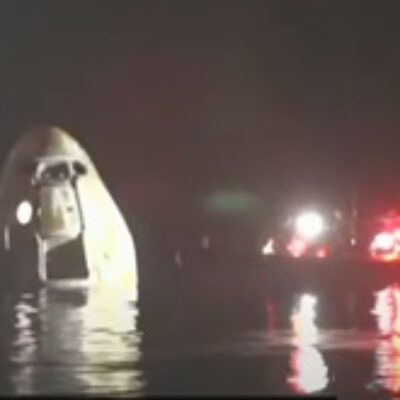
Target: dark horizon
<point>189,98</point>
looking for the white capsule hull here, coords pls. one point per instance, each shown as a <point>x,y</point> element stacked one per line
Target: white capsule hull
<point>76,234</point>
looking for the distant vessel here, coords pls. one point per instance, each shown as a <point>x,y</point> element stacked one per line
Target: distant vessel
<point>59,223</point>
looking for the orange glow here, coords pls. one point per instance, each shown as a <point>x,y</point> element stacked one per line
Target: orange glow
<point>387,368</point>
<point>389,257</point>
<point>385,257</point>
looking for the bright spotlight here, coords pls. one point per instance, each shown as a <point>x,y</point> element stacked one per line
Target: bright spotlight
<point>268,248</point>
<point>309,224</point>
<point>383,241</point>
<point>24,212</point>
<point>307,303</point>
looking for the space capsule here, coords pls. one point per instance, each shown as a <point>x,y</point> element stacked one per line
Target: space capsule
<point>59,224</point>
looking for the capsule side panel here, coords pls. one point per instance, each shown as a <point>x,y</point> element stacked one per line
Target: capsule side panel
<point>108,243</point>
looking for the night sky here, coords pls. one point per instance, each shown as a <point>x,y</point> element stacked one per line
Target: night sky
<point>182,98</point>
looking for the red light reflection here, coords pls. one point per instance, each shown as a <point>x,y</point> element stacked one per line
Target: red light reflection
<point>322,252</point>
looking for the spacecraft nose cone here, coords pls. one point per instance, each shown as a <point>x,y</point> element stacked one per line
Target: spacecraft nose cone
<point>51,140</point>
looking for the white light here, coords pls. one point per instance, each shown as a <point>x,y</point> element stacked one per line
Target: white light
<point>309,370</point>
<point>268,248</point>
<point>386,307</point>
<point>383,241</point>
<point>303,320</point>
<point>309,224</point>
<point>24,212</point>
<point>307,303</point>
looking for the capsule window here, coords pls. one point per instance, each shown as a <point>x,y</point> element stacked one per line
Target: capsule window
<point>57,172</point>
<point>79,168</point>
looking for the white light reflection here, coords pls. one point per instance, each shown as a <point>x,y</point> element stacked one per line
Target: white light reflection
<point>84,343</point>
<point>387,310</point>
<point>387,366</point>
<point>269,248</point>
<point>309,372</point>
<point>309,224</point>
<point>303,320</point>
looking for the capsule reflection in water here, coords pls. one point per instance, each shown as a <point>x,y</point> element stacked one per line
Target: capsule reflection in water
<point>84,343</point>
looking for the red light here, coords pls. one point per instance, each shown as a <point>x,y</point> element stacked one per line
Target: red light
<point>297,247</point>
<point>322,252</point>
<point>384,247</point>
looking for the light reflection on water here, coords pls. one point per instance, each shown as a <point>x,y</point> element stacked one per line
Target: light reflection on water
<point>387,310</point>
<point>303,320</point>
<point>308,369</point>
<point>387,365</point>
<point>309,372</point>
<point>75,342</point>
<point>387,354</point>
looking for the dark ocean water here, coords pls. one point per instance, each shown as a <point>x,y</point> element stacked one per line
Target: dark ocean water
<point>208,333</point>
